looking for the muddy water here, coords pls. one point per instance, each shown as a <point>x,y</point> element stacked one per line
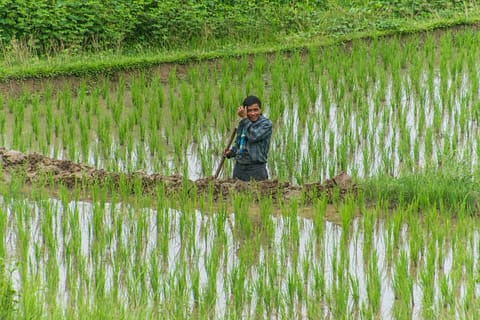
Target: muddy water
<point>60,244</point>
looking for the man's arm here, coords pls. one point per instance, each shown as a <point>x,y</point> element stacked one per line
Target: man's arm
<point>232,152</point>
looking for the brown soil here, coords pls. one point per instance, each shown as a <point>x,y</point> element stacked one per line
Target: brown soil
<point>37,167</point>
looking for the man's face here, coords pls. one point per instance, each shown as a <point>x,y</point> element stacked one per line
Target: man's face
<point>253,112</point>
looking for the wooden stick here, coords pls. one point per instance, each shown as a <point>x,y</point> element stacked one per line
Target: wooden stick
<point>220,165</point>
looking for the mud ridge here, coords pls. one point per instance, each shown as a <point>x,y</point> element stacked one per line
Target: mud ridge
<point>37,167</point>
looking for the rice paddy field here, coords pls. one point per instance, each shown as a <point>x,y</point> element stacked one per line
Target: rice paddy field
<point>377,108</point>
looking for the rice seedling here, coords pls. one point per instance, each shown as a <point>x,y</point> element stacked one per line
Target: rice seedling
<point>410,107</point>
<point>403,288</point>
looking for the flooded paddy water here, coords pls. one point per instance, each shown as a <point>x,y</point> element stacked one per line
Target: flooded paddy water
<point>384,106</point>
<point>108,208</point>
<point>77,256</point>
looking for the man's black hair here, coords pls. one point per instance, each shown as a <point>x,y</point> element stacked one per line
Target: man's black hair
<point>252,100</point>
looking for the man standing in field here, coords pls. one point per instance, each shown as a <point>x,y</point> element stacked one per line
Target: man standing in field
<point>252,142</point>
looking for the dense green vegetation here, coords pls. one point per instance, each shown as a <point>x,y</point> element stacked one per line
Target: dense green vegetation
<point>452,188</point>
<point>157,31</point>
<point>399,114</point>
<point>170,23</point>
<point>421,92</point>
<point>117,259</point>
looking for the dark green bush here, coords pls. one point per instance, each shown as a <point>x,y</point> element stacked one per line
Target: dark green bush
<point>411,8</point>
<point>93,24</point>
<point>67,23</point>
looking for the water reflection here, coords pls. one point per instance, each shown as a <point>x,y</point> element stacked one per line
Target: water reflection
<point>79,248</point>
<point>375,127</point>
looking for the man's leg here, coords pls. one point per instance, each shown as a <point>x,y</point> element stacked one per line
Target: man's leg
<point>247,172</point>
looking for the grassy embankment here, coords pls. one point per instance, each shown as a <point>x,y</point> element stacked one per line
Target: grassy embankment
<point>196,31</point>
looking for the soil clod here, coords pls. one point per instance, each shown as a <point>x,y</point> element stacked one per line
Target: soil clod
<point>70,174</point>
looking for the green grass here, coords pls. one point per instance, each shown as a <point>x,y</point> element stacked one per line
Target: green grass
<point>108,62</point>
<point>453,187</point>
<point>327,118</point>
<point>406,134</point>
<point>143,258</point>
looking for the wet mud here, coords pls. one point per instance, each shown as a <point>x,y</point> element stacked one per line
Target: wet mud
<point>37,168</point>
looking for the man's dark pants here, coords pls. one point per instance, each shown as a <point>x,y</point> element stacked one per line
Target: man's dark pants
<point>247,172</point>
